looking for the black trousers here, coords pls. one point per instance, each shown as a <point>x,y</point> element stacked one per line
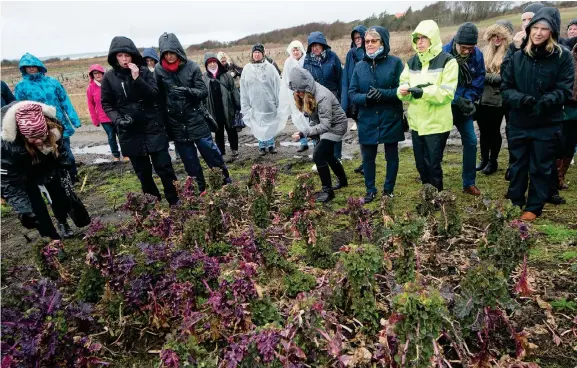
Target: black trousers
<point>532,153</point>
<point>489,119</point>
<point>162,164</point>
<point>324,158</point>
<point>428,151</point>
<point>232,134</point>
<point>60,206</point>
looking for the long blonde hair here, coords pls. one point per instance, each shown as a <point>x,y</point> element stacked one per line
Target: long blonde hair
<point>51,141</point>
<point>307,103</point>
<point>494,55</point>
<point>550,46</point>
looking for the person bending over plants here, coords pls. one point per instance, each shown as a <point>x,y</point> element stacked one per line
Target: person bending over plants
<point>327,125</point>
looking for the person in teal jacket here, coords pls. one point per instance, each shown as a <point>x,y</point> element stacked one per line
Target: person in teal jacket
<point>37,86</point>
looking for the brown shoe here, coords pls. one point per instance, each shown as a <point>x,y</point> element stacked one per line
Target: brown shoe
<point>472,190</point>
<point>528,216</point>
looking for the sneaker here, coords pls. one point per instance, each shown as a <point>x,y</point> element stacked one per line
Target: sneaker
<point>262,151</point>
<point>302,149</point>
<point>314,168</point>
<point>387,194</point>
<point>234,153</point>
<point>528,216</point>
<point>354,127</point>
<point>65,230</point>
<point>370,197</point>
<point>272,150</point>
<point>472,190</point>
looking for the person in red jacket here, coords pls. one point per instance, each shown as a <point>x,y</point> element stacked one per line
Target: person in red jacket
<point>97,114</point>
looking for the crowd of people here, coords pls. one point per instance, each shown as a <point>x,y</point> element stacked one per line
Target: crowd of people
<point>144,101</point>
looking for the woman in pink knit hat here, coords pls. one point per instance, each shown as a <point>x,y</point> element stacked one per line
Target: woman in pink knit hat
<point>97,114</point>
<point>33,155</point>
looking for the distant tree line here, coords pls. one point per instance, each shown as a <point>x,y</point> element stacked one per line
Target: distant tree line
<point>445,13</point>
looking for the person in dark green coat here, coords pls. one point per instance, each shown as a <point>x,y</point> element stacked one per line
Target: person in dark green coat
<point>373,89</point>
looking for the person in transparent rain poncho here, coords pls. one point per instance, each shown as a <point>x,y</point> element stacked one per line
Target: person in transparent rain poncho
<point>296,58</point>
<point>261,106</point>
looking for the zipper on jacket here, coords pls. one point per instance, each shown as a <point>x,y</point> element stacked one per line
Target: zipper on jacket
<point>125,95</point>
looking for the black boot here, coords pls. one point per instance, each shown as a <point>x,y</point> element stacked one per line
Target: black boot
<point>556,199</point>
<point>325,195</point>
<point>508,174</point>
<point>491,168</point>
<point>359,170</point>
<point>369,197</point>
<point>65,230</point>
<point>483,163</point>
<point>341,183</point>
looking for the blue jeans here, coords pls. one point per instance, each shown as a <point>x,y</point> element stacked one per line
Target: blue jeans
<point>266,144</point>
<point>110,130</point>
<point>209,152</point>
<point>369,152</point>
<point>466,129</point>
<point>71,160</point>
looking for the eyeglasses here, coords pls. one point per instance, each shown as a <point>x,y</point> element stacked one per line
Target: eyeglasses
<point>372,41</point>
<point>420,38</point>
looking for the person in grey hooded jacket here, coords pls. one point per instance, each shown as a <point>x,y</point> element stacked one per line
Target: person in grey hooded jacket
<point>328,125</point>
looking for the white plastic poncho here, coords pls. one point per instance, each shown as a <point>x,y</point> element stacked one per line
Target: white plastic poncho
<point>262,110</point>
<point>297,117</point>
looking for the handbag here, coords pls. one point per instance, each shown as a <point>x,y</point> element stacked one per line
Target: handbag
<point>78,212</point>
<point>237,122</point>
<point>212,124</point>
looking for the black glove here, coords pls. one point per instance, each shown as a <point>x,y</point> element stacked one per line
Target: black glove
<point>374,96</point>
<point>28,220</point>
<point>417,92</point>
<point>181,92</point>
<point>124,121</point>
<point>542,106</point>
<point>528,102</point>
<point>466,106</point>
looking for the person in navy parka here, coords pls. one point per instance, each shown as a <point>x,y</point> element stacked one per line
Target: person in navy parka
<point>149,58</point>
<point>326,69</point>
<point>37,86</point>
<point>469,90</point>
<point>373,89</point>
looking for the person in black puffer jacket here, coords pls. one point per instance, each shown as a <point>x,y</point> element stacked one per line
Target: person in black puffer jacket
<point>33,154</point>
<point>183,92</point>
<point>130,98</point>
<point>222,102</point>
<point>536,83</point>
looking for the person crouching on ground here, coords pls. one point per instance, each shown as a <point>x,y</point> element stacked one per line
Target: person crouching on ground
<point>327,124</point>
<point>537,82</point>
<point>33,154</point>
<point>130,99</point>
<point>182,92</point>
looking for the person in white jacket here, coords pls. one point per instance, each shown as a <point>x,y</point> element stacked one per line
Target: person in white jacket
<point>296,58</point>
<point>262,109</point>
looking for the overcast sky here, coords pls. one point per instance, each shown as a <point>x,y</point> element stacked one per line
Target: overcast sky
<point>52,28</point>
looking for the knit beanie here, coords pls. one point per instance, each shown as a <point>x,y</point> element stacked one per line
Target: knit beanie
<point>467,34</point>
<point>533,8</point>
<point>507,24</point>
<point>31,121</point>
<point>258,47</point>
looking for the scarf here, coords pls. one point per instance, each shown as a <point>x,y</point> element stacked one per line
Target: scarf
<point>151,68</point>
<point>46,149</point>
<point>465,77</point>
<point>97,83</point>
<point>377,53</point>
<point>319,58</point>
<point>172,68</point>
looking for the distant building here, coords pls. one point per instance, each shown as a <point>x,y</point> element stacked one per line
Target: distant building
<point>398,15</point>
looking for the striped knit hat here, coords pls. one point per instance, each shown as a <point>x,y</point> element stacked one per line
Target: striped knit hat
<point>31,121</point>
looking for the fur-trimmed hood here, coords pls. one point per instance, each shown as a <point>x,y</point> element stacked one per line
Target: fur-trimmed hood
<point>497,30</point>
<point>8,113</point>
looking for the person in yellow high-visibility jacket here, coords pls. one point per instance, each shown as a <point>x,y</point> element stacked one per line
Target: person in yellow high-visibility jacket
<point>428,83</point>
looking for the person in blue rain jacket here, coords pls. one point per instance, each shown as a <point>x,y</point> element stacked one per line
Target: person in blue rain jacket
<point>37,86</point>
